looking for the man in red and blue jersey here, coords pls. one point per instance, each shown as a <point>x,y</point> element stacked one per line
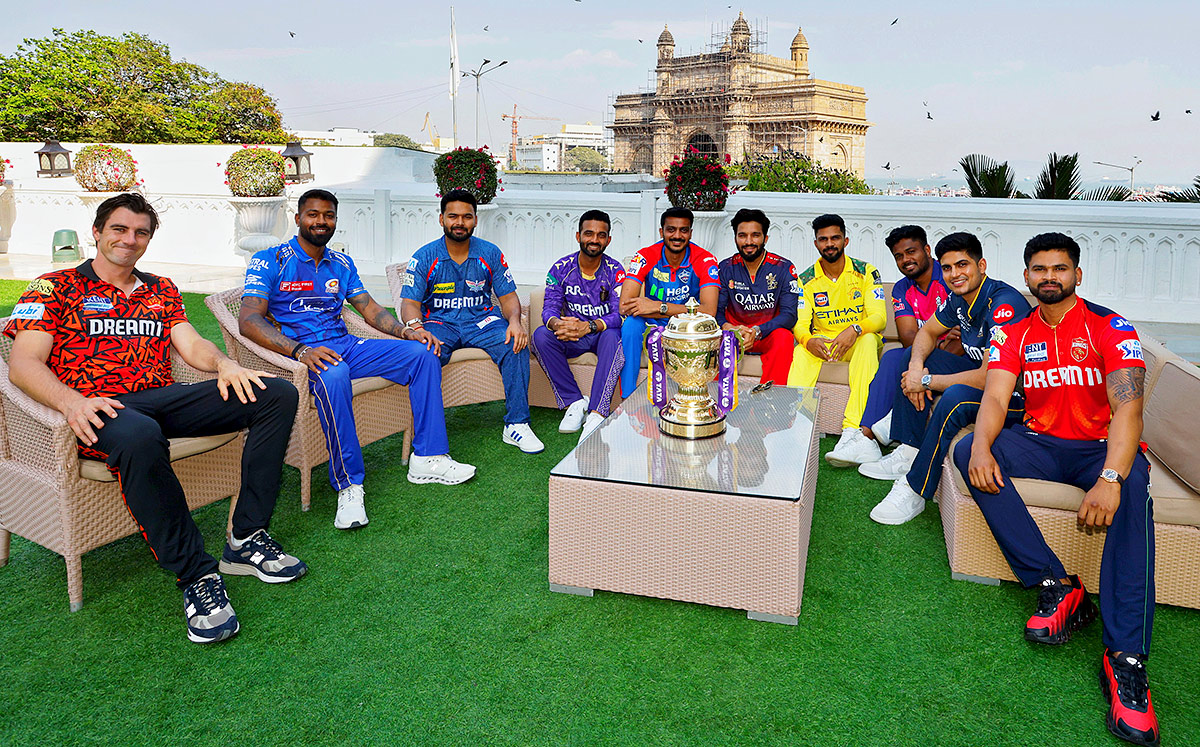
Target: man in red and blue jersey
<point>1082,370</point>
<point>302,286</point>
<point>757,296</point>
<point>658,283</point>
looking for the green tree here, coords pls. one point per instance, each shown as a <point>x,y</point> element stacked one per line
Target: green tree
<point>87,87</point>
<point>987,178</point>
<point>396,140</point>
<point>583,158</point>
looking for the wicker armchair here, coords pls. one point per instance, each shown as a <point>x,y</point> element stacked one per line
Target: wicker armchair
<point>381,407</point>
<point>68,505</point>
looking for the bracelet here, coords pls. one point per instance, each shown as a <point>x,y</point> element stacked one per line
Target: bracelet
<point>414,323</point>
<point>295,349</point>
<point>304,349</point>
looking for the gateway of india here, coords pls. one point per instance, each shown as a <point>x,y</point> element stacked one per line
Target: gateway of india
<point>734,98</point>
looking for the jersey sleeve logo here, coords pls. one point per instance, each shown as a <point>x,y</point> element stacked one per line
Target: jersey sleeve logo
<point>999,335</point>
<point>1131,350</point>
<point>1003,313</point>
<point>1121,324</point>
<point>41,286</point>
<point>636,263</point>
<point>994,355</point>
<point>550,279</point>
<point>712,271</point>
<point>29,311</point>
<point>897,304</point>
<point>878,293</point>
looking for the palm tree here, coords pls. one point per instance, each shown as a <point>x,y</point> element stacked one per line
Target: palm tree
<point>986,178</point>
<point>1107,193</point>
<point>1187,195</point>
<point>1059,179</point>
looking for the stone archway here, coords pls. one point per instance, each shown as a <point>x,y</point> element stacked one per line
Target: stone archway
<point>643,160</point>
<point>703,144</point>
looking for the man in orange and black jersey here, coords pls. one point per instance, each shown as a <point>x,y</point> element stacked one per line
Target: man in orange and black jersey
<point>1083,373</point>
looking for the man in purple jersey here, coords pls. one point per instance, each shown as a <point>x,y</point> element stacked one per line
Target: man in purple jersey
<point>583,291</point>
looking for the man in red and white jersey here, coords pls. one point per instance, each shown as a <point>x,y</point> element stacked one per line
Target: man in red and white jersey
<point>1083,375</point>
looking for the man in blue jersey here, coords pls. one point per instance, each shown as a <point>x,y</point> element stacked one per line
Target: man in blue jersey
<point>292,304</point>
<point>448,292</point>
<point>980,307</point>
<point>658,283</point>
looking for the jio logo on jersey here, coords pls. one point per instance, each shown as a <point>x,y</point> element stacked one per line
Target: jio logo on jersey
<point>1120,324</point>
<point>1003,313</point>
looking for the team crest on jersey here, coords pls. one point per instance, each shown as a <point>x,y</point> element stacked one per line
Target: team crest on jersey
<point>1121,324</point>
<point>1131,350</point>
<point>856,295</point>
<point>684,275</point>
<point>660,275</point>
<point>476,286</point>
<point>821,298</point>
<point>1036,353</point>
<point>1079,349</point>
<point>941,304</point>
<point>153,303</point>
<point>331,285</point>
<point>443,287</point>
<point>96,303</point>
<point>771,283</point>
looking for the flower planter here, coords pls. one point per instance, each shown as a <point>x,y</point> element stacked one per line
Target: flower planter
<point>707,226</point>
<point>256,221</point>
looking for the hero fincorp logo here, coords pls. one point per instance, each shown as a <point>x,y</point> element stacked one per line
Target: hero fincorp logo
<point>116,327</point>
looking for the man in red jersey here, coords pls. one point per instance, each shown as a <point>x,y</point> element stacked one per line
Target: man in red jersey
<point>1083,374</point>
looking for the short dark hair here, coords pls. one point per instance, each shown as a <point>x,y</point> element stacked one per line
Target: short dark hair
<point>599,215</point>
<point>749,215</point>
<point>1045,242</point>
<point>959,242</point>
<point>459,195</point>
<point>676,212</point>
<point>316,194</point>
<point>827,220</point>
<point>916,233</point>
<point>131,201</point>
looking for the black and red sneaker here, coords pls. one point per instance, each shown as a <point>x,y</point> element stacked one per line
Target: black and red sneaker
<point>1127,689</point>
<point>1062,609</point>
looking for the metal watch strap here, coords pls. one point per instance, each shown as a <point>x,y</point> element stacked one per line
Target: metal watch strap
<point>592,325</point>
<point>662,307</point>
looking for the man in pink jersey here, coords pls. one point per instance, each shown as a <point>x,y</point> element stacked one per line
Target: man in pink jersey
<point>1083,374</point>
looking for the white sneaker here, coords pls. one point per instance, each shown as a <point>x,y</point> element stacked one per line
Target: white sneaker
<point>853,448</point>
<point>351,513</point>
<point>521,436</point>
<point>574,417</point>
<point>893,466</point>
<point>883,429</point>
<point>594,419</point>
<point>440,468</point>
<point>901,504</point>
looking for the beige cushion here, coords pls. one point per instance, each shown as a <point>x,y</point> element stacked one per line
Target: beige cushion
<point>468,354</point>
<point>1171,428</point>
<point>181,448</point>
<point>537,298</point>
<point>1155,355</point>
<point>1174,502</point>
<point>369,384</point>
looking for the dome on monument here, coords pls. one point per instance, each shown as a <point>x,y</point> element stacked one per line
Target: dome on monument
<point>740,26</point>
<point>799,40</point>
<point>665,37</point>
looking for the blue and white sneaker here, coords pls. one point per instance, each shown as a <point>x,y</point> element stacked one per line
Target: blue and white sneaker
<point>207,611</point>
<point>521,436</point>
<point>261,556</point>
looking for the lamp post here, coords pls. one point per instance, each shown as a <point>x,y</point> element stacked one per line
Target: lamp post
<point>478,73</point>
<point>1127,168</point>
<point>53,160</point>
<point>297,164</point>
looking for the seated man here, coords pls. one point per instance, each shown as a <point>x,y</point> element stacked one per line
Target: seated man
<point>449,287</point>
<point>658,283</point>
<point>840,318</point>
<point>1084,378</point>
<point>915,297</point>
<point>757,296</point>
<point>94,343</point>
<point>302,286</point>
<point>580,316</point>
<point>979,307</point>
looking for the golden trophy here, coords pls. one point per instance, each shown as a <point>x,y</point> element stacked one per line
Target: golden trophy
<point>691,342</point>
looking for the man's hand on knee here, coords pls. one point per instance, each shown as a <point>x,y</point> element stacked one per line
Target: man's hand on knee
<point>82,413</point>
<point>229,373</point>
<point>517,334</point>
<point>319,359</point>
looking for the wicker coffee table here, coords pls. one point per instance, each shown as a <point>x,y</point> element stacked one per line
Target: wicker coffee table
<point>721,521</point>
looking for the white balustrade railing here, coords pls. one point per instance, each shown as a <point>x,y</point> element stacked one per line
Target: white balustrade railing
<point>1142,259</point>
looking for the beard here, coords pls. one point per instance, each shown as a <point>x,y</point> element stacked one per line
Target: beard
<point>1052,293</point>
<point>751,252</point>
<point>316,239</point>
<point>916,272</point>
<point>591,250</point>
<point>458,234</point>
<point>833,254</point>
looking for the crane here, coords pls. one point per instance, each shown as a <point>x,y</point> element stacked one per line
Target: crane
<point>512,149</point>
<point>431,130</point>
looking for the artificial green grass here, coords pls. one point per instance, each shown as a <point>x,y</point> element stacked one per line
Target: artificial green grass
<point>434,624</point>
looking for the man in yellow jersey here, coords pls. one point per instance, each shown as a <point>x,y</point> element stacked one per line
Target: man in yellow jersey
<point>841,316</point>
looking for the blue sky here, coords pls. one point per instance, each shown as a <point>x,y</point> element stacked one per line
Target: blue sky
<point>1015,80</point>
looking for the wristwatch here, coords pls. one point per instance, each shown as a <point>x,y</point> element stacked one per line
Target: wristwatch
<point>1111,475</point>
<point>926,380</point>
<point>592,325</point>
<point>662,307</point>
<point>857,329</point>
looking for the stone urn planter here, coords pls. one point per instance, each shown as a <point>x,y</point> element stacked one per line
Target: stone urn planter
<point>256,221</point>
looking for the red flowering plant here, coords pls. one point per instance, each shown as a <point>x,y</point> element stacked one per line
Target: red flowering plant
<point>697,182</point>
<point>4,164</point>
<point>469,169</point>
<point>255,172</point>
<point>103,168</point>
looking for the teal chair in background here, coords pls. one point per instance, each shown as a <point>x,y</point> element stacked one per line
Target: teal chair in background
<point>65,247</point>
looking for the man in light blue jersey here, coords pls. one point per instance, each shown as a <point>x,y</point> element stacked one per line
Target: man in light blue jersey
<point>448,294</point>
<point>301,287</point>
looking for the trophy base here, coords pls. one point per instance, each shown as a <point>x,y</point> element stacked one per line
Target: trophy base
<point>684,421</point>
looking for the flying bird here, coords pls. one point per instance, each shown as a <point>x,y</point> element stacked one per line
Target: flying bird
<point>1187,111</point>
<point>485,28</point>
<point>640,41</point>
<point>1154,117</point>
<point>292,34</point>
<point>928,115</point>
<point>821,139</point>
<point>925,104</point>
<point>888,166</point>
<point>893,23</point>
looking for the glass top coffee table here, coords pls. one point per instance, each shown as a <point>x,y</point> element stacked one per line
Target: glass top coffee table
<point>722,521</point>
